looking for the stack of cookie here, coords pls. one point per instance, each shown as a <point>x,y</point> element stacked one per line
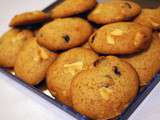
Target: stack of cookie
<point>94,56</point>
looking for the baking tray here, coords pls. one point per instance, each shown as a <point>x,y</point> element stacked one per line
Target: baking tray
<point>42,91</point>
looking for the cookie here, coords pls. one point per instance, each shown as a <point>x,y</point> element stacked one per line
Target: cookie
<point>72,7</point>
<point>121,38</point>
<point>62,71</point>
<point>11,43</point>
<point>29,18</point>
<point>104,91</point>
<point>147,63</point>
<point>150,18</point>
<point>114,11</point>
<point>32,62</point>
<point>65,33</point>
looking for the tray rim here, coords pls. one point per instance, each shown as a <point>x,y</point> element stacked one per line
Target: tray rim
<point>124,116</point>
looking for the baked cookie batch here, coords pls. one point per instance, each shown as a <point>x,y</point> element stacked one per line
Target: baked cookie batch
<point>93,56</point>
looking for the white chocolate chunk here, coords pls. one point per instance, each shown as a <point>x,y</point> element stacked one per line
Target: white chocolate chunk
<point>138,39</point>
<point>117,32</point>
<point>105,93</point>
<point>43,54</point>
<point>155,24</point>
<point>110,40</point>
<point>74,67</point>
<point>36,59</point>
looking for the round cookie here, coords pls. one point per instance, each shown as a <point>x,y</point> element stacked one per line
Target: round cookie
<point>32,62</point>
<point>29,18</point>
<point>104,91</point>
<point>72,7</point>
<point>147,63</point>
<point>11,43</point>
<point>65,33</point>
<point>114,11</point>
<point>121,38</point>
<point>150,18</point>
<point>62,71</point>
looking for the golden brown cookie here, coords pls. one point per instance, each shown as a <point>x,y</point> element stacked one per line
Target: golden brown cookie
<point>147,63</point>
<point>65,33</point>
<point>29,18</point>
<point>62,71</point>
<point>114,11</point>
<point>32,62</point>
<point>104,91</point>
<point>121,38</point>
<point>72,7</point>
<point>11,43</point>
<point>150,18</point>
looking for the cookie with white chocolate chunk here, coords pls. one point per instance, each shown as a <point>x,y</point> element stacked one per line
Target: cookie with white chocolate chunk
<point>121,38</point>
<point>11,44</point>
<point>150,18</point>
<point>105,90</point>
<point>67,66</point>
<point>114,11</point>
<point>32,62</point>
<point>147,63</point>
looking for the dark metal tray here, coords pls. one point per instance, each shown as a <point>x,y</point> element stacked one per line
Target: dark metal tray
<point>42,91</point>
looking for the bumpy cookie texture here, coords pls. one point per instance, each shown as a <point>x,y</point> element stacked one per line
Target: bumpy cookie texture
<point>11,43</point>
<point>65,33</point>
<point>121,38</point>
<point>114,11</point>
<point>147,63</point>
<point>104,91</point>
<point>150,18</point>
<point>62,71</point>
<point>72,7</point>
<point>32,62</point>
<point>28,18</point>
